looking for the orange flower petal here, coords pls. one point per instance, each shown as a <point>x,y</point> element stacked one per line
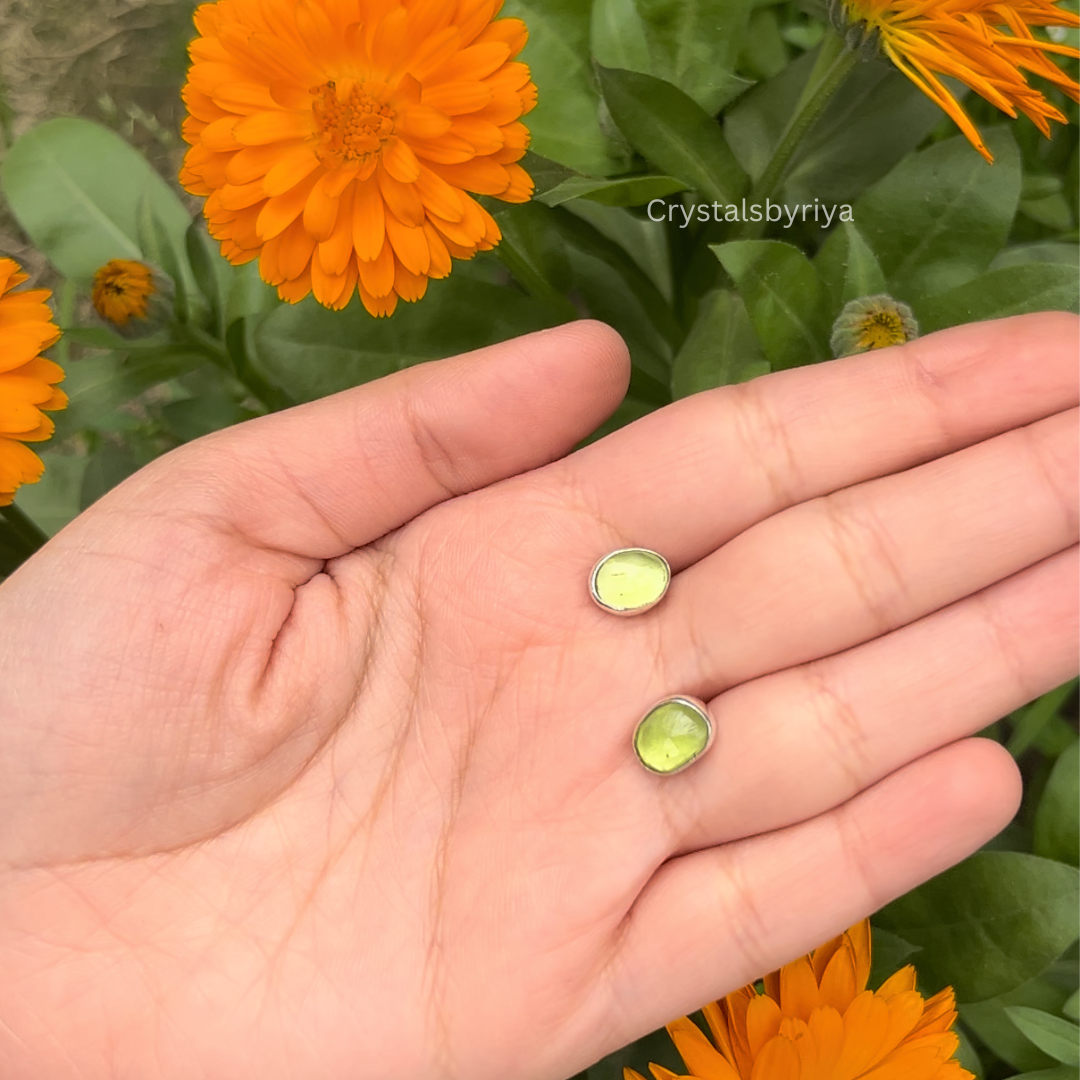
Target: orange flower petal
<point>402,200</point>
<point>321,210</point>
<point>377,275</point>
<point>294,164</point>
<point>481,175</point>
<point>270,127</point>
<point>369,220</point>
<point>410,245</point>
<point>778,1060</point>
<point>702,1059</point>
<point>454,99</point>
<point>379,306</point>
<point>484,137</point>
<point>282,210</point>
<point>400,161</point>
<point>410,287</point>
<point>763,1017</point>
<point>440,264</point>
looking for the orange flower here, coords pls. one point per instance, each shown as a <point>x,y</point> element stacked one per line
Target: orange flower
<point>817,1021</point>
<point>337,140</point>
<point>27,380</point>
<point>986,44</point>
<point>121,289</point>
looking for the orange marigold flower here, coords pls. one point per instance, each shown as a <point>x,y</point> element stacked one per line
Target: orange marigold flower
<point>121,290</point>
<point>27,380</point>
<point>337,140</point>
<point>986,44</point>
<point>817,1021</point>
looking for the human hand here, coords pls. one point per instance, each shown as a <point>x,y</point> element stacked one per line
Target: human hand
<point>316,755</point>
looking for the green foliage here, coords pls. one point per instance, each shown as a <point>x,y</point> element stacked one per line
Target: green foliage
<point>673,131</point>
<point>79,191</point>
<point>661,125</point>
<point>989,924</point>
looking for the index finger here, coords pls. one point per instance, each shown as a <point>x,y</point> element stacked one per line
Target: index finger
<point>686,479</point>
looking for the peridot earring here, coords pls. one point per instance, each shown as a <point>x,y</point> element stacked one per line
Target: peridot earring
<point>673,735</point>
<point>630,581</point>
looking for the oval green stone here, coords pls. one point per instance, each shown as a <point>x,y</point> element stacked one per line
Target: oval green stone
<point>671,735</point>
<point>631,580</point>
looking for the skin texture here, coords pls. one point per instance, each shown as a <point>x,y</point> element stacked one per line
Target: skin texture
<point>315,757</point>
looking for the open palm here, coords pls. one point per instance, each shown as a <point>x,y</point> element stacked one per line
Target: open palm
<point>316,761</point>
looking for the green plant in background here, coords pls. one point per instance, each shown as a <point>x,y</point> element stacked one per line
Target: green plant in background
<point>737,186</point>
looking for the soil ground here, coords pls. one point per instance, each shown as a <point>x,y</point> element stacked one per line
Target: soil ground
<point>119,62</point>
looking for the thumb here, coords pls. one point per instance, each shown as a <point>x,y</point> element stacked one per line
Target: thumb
<point>324,478</point>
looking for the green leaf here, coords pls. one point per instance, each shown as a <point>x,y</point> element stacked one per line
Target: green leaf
<point>76,188</point>
<point>154,242</point>
<point>98,385</point>
<point>876,118</point>
<point>1062,1072</point>
<point>939,218</point>
<point>1071,1008</point>
<point>967,1055</point>
<point>54,500</point>
<point>1054,212</point>
<point>310,351</point>
<point>625,191</point>
<point>240,343</point>
<point>100,337</point>
<point>1029,721</point>
<point>988,1020</point>
<point>1048,251</point>
<point>545,173</point>
<point>211,272</point>
<point>765,54</point>
<point>612,287</point>
<point>888,954</point>
<point>720,349</point>
<point>673,132</point>
<point>1057,828</point>
<point>784,297</point>
<point>1015,290</point>
<point>644,240</point>
<point>1054,1036</point>
<point>617,36</point>
<point>848,267</point>
<point>109,464</point>
<point>534,252</point>
<point>695,44</point>
<point>692,44</point>
<point>989,924</point>
<point>248,294</point>
<point>565,124</point>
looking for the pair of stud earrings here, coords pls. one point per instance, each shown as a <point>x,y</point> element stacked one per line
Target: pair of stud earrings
<point>675,732</point>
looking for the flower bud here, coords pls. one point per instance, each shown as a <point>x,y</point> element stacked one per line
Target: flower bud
<point>872,322</point>
<point>133,298</point>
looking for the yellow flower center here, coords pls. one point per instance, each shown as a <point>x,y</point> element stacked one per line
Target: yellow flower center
<point>354,120</point>
<point>880,329</point>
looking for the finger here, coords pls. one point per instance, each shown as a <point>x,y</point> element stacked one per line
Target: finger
<point>823,732</point>
<point>688,478</point>
<point>710,922</point>
<point>828,574</point>
<point>335,474</point>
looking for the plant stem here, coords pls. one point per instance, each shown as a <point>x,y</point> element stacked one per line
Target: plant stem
<point>834,63</point>
<point>20,537</point>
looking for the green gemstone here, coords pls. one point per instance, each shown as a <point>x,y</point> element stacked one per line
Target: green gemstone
<point>631,580</point>
<point>672,735</point>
